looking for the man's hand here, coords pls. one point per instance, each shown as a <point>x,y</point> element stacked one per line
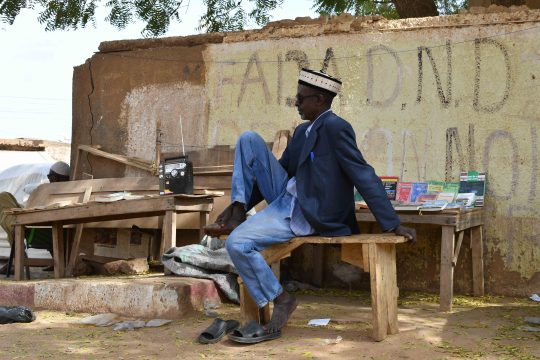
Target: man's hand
<point>409,233</point>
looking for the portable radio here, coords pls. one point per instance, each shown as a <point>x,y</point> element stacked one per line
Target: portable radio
<point>176,176</point>
<point>176,173</point>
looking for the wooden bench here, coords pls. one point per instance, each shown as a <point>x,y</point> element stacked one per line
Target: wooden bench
<point>374,253</point>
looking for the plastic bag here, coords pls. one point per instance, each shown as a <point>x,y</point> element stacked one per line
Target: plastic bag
<point>13,314</point>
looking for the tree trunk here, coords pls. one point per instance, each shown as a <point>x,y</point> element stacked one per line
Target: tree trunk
<point>415,8</point>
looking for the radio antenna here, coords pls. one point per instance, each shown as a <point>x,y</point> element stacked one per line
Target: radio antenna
<point>182,135</point>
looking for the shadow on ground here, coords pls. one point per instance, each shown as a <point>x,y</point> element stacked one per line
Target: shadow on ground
<point>486,328</point>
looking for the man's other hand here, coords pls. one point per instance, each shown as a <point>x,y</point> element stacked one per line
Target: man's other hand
<point>409,233</point>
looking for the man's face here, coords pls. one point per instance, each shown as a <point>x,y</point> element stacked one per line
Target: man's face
<point>307,102</point>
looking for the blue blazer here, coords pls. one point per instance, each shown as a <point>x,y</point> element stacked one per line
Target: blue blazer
<point>328,165</point>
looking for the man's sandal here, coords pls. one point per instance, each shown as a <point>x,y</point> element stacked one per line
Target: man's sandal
<point>252,333</point>
<point>217,330</point>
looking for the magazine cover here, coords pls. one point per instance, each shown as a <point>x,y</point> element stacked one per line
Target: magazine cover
<point>473,182</point>
<point>403,192</point>
<point>390,186</point>
<point>418,188</point>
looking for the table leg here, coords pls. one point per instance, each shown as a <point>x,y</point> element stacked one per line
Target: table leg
<point>18,242</point>
<point>447,270</point>
<point>58,250</point>
<point>168,232</point>
<point>477,250</point>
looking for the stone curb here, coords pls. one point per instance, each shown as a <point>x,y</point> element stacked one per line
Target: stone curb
<point>150,297</point>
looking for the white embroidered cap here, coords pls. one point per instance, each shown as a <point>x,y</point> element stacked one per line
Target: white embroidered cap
<point>61,168</point>
<point>320,80</point>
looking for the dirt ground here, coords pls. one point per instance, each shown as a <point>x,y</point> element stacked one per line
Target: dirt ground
<point>486,328</point>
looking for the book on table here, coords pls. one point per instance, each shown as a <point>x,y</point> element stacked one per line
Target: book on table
<point>403,192</point>
<point>447,196</point>
<point>473,182</point>
<point>435,186</point>
<point>407,206</point>
<point>466,199</point>
<point>418,188</point>
<point>433,205</point>
<point>390,186</point>
<point>425,197</point>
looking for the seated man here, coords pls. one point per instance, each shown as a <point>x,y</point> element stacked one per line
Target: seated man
<point>36,238</point>
<point>309,191</point>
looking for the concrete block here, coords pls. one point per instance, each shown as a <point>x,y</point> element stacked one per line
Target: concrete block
<point>16,294</point>
<point>148,297</point>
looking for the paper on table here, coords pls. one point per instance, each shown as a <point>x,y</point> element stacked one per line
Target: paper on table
<point>318,322</point>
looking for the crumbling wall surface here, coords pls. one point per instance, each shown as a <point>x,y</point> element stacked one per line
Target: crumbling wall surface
<point>122,98</point>
<point>427,97</point>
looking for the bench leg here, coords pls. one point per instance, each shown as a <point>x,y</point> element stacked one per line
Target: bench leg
<point>384,292</point>
<point>249,309</point>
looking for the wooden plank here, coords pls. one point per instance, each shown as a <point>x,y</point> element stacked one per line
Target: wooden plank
<point>276,269</point>
<point>364,215</point>
<point>19,251</point>
<point>77,238</point>
<point>124,209</point>
<point>50,193</point>
<point>469,219</point>
<point>280,143</point>
<point>168,232</point>
<point>248,308</point>
<point>203,220</point>
<point>216,172</point>
<point>355,239</point>
<point>75,167</point>
<point>458,247</point>
<point>38,262</point>
<point>278,251</point>
<point>212,182</point>
<point>477,250</point>
<point>58,249</point>
<point>135,162</point>
<point>447,270</point>
<point>352,254</point>
<point>365,256</point>
<point>378,295</point>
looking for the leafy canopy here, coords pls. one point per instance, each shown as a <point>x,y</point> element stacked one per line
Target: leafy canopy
<point>220,15</point>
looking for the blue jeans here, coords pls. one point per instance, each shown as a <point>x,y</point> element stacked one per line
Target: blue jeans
<point>254,164</point>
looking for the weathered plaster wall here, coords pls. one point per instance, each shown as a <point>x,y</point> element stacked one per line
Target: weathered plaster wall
<point>427,98</point>
<point>121,98</point>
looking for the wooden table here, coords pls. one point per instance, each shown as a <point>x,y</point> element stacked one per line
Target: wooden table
<point>453,224</point>
<point>166,206</point>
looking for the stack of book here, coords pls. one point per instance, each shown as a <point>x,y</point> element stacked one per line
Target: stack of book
<point>433,195</point>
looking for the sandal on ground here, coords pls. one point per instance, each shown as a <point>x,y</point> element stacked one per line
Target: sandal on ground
<point>217,330</point>
<point>252,333</point>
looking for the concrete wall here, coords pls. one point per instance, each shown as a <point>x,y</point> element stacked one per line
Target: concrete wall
<point>428,98</point>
